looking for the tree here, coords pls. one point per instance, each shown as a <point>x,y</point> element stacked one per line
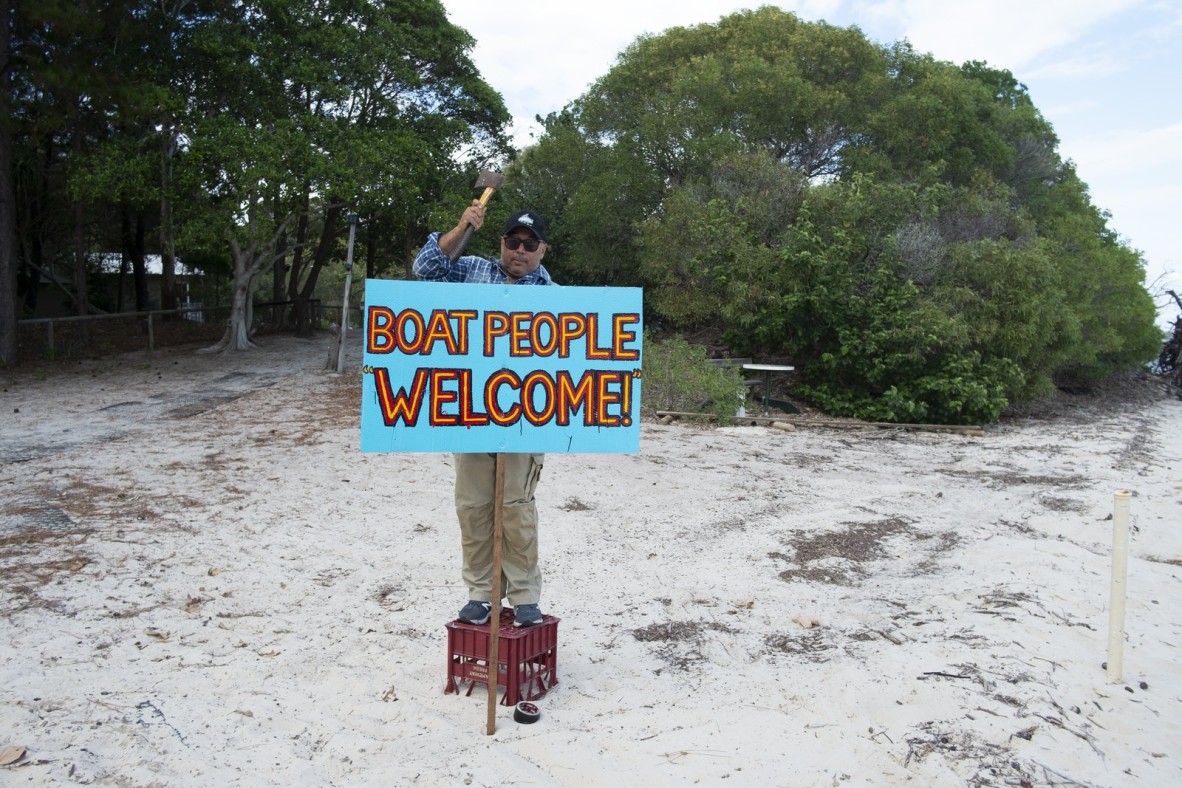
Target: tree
<point>233,129</point>
<point>678,103</point>
<point>755,79</point>
<point>592,196</point>
<point>59,98</point>
<point>73,111</point>
<point>901,226</point>
<point>337,103</point>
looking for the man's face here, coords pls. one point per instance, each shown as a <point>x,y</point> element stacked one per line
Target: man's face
<point>520,262</point>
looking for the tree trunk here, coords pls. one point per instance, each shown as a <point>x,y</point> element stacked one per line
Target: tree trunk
<point>408,245</point>
<point>124,258</point>
<point>297,261</point>
<point>8,257</point>
<point>328,236</point>
<point>297,269</point>
<point>167,239</point>
<point>133,250</point>
<point>238,330</point>
<point>170,15</point>
<point>81,297</point>
<point>248,262</point>
<point>33,261</point>
<point>237,336</point>
<point>278,272</point>
<point>29,276</point>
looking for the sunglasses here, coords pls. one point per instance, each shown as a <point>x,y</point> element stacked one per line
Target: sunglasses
<point>513,244</point>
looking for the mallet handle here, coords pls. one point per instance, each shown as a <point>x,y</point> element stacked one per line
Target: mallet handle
<point>467,236</point>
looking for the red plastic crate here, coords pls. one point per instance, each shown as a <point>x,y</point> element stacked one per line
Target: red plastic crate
<point>527,657</point>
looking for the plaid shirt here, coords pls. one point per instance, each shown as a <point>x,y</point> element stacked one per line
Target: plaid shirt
<point>434,266</point>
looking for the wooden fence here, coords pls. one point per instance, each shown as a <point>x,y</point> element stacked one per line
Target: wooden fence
<point>90,336</point>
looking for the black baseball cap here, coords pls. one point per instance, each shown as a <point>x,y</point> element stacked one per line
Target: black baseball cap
<point>530,221</point>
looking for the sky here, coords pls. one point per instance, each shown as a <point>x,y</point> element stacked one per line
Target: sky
<point>1107,74</point>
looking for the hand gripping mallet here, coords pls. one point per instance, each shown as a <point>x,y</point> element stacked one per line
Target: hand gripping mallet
<point>490,181</point>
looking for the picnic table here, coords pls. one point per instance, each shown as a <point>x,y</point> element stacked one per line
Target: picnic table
<point>764,380</point>
<point>768,370</point>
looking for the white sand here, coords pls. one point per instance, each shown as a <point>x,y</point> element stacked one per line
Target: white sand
<point>205,583</point>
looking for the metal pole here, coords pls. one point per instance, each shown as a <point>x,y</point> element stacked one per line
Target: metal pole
<point>1120,570</point>
<point>348,286</point>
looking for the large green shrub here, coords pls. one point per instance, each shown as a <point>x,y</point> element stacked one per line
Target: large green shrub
<point>890,354</point>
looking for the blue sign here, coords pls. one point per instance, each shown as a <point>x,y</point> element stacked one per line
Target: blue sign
<point>501,368</point>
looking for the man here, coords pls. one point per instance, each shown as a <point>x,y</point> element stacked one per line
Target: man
<point>523,243</point>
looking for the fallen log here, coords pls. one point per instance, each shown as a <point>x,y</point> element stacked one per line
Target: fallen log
<point>970,430</point>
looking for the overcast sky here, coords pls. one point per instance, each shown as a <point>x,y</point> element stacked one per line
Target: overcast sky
<point>1106,73</point>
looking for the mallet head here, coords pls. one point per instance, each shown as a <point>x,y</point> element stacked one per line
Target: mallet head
<point>490,181</point>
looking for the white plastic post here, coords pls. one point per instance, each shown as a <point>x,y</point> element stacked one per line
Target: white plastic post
<point>1120,570</point>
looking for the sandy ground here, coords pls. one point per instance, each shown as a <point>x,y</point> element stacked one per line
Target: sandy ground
<point>206,583</point>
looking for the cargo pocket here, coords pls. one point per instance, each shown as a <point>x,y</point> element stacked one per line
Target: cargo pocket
<point>535,473</point>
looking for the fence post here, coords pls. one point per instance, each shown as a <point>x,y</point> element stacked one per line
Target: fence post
<point>151,336</point>
<point>49,337</point>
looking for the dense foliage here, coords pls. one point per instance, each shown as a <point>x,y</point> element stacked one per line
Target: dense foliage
<point>679,378</point>
<point>236,135</point>
<point>902,228</point>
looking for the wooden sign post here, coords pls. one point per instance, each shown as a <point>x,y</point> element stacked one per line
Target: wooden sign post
<point>494,616</point>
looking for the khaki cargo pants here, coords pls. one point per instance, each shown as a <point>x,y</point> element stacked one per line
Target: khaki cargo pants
<point>476,474</point>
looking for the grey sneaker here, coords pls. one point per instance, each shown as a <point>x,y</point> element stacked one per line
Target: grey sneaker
<point>527,615</point>
<point>475,612</point>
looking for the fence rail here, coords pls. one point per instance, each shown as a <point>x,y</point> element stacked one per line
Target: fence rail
<point>74,336</point>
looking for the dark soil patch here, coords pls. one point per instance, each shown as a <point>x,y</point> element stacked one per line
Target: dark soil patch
<point>680,642</point>
<point>1129,392</point>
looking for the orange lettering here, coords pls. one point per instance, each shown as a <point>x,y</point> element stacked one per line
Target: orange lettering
<point>531,382</point>
<point>440,397</point>
<point>593,349</point>
<point>380,337</point>
<point>505,377</point>
<point>400,404</point>
<point>496,324</point>
<point>571,397</point>
<point>542,346</point>
<point>621,336</point>
<point>574,325</point>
